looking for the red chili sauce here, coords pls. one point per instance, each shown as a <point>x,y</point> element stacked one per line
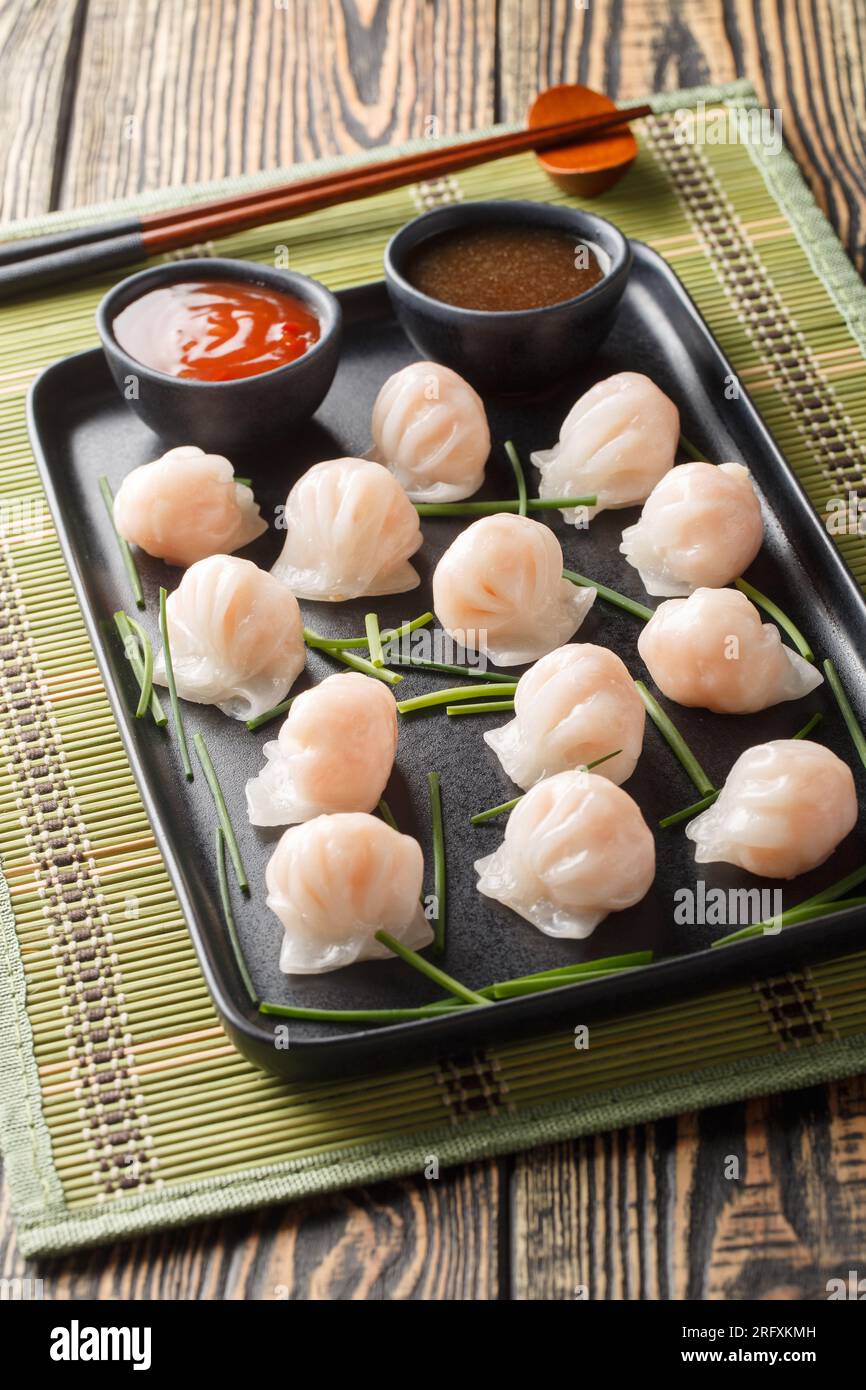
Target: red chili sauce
<point>215,330</point>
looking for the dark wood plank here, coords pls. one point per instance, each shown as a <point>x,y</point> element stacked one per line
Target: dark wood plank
<point>806,57</point>
<point>38,47</point>
<point>171,93</point>
<point>661,1212</point>
<point>420,1239</point>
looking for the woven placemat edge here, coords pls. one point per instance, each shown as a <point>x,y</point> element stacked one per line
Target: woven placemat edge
<point>484,1138</point>
<point>25,1142</point>
<point>815,234</point>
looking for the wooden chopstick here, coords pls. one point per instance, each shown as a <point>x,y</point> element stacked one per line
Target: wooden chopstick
<point>70,256</point>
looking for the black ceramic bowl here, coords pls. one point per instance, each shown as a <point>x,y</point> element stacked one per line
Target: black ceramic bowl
<point>225,416</point>
<point>510,351</point>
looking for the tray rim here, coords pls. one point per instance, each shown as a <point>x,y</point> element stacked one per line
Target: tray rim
<point>757,957</point>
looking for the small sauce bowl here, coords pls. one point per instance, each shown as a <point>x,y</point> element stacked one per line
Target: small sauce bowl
<point>224,416</point>
<point>512,351</point>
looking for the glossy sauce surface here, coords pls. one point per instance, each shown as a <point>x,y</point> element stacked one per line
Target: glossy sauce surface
<point>503,268</point>
<point>216,330</point>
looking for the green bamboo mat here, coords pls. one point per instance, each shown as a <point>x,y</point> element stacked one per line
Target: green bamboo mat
<point>123,1107</point>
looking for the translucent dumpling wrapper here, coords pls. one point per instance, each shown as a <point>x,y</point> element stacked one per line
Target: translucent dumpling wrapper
<point>430,429</point>
<point>700,528</point>
<point>498,590</point>
<point>334,753</point>
<point>350,530</point>
<point>712,651</point>
<point>186,506</point>
<point>337,880</point>
<point>576,847</point>
<point>236,637</point>
<point>784,808</point>
<point>575,705</point>
<point>616,442</point>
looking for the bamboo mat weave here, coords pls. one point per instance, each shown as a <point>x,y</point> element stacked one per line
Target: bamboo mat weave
<point>123,1107</point>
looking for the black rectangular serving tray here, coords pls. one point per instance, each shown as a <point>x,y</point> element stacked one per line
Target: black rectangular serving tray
<point>81,429</point>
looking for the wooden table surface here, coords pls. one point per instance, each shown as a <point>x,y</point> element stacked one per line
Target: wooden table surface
<point>102,98</point>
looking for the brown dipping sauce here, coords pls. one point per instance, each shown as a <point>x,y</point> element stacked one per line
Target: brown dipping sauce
<point>503,268</point>
<point>215,330</point>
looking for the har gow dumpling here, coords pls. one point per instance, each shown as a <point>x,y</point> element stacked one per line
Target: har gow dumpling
<point>576,704</point>
<point>334,753</point>
<point>616,442</point>
<point>236,636</point>
<point>350,530</point>
<point>784,808</point>
<point>430,429</point>
<point>576,847</point>
<point>337,880</point>
<point>498,590</point>
<point>186,506</point>
<point>713,651</point>
<point>701,527</point>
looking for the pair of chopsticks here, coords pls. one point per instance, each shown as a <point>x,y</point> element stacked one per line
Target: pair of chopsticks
<point>59,256</point>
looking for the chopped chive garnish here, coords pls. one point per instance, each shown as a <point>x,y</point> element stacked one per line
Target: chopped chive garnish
<point>483,816</point>
<point>512,504</point>
<point>315,639</point>
<point>358,1015</point>
<point>432,972</point>
<point>597,762</point>
<point>458,692</point>
<point>122,545</point>
<point>485,707</point>
<point>774,611</point>
<point>172,688</point>
<point>244,482</point>
<point>500,810</point>
<point>838,889</point>
<point>434,793</point>
<point>675,740</point>
<point>515,989</point>
<point>519,476</point>
<point>222,811</point>
<point>360,663</point>
<point>473,673</point>
<point>857,736</point>
<point>568,974</point>
<point>808,727</point>
<point>393,634</point>
<point>387,814</point>
<point>828,899</point>
<point>694,454</point>
<point>228,915</point>
<point>629,605</point>
<point>805,913</point>
<point>269,714</point>
<point>374,639</point>
<point>689,811</point>
<point>123,622</point>
<point>147,667</point>
<point>604,966</point>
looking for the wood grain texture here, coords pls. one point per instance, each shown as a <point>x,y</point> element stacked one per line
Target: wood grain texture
<point>763,1200</point>
<point>38,55</point>
<point>806,57</point>
<point>107,97</point>
<point>436,1239</point>
<point>171,93</point>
